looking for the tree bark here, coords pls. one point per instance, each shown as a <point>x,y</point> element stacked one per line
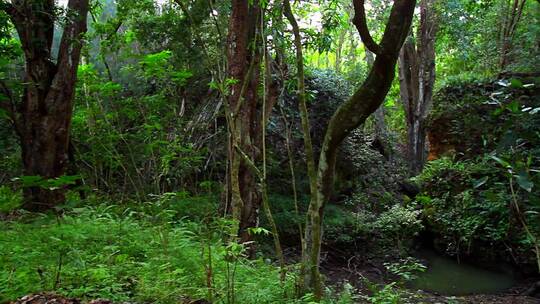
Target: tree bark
<point>417,79</point>
<point>244,54</point>
<point>349,116</point>
<point>43,117</point>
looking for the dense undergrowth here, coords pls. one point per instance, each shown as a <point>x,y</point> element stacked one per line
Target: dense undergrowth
<point>123,254</point>
<point>154,252</point>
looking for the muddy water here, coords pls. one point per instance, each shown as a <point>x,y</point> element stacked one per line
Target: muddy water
<point>448,277</point>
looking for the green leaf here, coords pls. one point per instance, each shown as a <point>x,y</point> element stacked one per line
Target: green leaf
<point>181,77</point>
<point>479,182</point>
<point>29,180</point>
<point>524,182</point>
<point>516,83</point>
<point>513,107</point>
<point>258,231</point>
<point>501,161</point>
<point>498,111</point>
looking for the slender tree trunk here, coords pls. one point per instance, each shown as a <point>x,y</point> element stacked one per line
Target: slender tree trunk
<point>352,48</point>
<point>306,131</point>
<point>339,51</point>
<point>43,117</point>
<point>417,79</point>
<point>381,130</point>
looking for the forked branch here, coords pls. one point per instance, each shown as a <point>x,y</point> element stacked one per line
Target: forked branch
<point>360,22</point>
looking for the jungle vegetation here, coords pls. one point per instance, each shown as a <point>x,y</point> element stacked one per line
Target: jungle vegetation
<point>266,151</point>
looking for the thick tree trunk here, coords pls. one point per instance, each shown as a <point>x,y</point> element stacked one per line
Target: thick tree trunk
<point>417,78</point>
<point>244,59</point>
<point>43,118</point>
<point>44,143</point>
<point>349,116</point>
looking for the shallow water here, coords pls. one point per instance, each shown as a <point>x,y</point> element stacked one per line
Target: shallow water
<point>448,277</point>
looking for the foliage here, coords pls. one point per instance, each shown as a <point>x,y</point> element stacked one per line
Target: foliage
<point>9,199</point>
<point>387,294</point>
<point>407,269</point>
<point>468,42</point>
<point>149,144</point>
<point>96,253</point>
<point>399,223</point>
<point>123,132</point>
<point>468,197</point>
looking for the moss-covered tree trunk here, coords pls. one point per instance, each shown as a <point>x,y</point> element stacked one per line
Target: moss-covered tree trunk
<point>304,117</point>
<point>349,116</point>
<point>43,117</point>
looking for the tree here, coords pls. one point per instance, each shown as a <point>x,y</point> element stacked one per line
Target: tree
<point>243,57</point>
<point>347,117</point>
<point>511,12</point>
<point>417,78</point>
<point>247,115</point>
<point>42,118</point>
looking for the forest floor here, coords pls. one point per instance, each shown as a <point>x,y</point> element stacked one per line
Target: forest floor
<point>414,297</point>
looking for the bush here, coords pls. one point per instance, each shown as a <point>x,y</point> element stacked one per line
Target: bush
<point>400,223</point>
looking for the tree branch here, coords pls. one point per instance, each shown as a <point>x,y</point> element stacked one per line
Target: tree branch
<point>370,95</point>
<point>360,22</point>
<point>250,164</point>
<point>16,18</point>
<point>302,102</point>
<point>71,42</point>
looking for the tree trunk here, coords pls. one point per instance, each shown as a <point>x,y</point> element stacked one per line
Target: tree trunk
<point>339,50</point>
<point>244,59</point>
<point>43,118</point>
<point>417,78</point>
<point>381,130</point>
<point>349,116</point>
<point>306,278</point>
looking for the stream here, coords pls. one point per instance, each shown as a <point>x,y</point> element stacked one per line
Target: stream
<point>446,276</point>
